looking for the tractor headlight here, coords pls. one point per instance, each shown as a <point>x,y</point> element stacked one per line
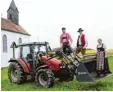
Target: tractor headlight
<point>62,66</point>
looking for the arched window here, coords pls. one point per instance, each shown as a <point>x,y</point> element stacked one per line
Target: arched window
<point>10,16</point>
<point>19,41</point>
<point>4,43</point>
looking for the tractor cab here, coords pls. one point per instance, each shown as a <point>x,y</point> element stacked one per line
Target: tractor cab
<point>29,52</point>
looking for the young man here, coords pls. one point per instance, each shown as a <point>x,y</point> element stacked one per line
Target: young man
<point>65,41</point>
<point>81,43</point>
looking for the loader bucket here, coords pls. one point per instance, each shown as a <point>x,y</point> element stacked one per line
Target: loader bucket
<point>86,71</point>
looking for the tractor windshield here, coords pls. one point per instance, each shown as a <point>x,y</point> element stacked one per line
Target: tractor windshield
<point>40,48</point>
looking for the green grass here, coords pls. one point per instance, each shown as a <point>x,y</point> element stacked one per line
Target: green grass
<point>104,84</point>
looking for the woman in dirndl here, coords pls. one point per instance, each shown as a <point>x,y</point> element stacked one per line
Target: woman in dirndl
<point>101,55</point>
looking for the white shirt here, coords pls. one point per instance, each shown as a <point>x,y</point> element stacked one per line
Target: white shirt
<point>86,42</point>
<point>100,45</point>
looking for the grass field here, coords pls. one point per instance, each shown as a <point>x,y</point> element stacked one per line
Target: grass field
<point>104,84</point>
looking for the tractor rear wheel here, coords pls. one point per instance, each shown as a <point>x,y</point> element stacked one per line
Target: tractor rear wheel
<point>45,78</point>
<point>16,73</point>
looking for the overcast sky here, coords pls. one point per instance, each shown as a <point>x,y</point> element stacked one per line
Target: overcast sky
<point>45,18</point>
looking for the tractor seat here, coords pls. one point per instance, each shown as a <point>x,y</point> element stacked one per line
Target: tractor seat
<point>29,57</point>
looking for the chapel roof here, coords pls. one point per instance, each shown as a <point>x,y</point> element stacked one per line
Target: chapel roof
<point>8,25</point>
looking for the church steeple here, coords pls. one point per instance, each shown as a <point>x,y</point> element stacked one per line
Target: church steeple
<point>13,13</point>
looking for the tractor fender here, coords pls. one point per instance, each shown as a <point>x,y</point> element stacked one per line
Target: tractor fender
<point>42,67</point>
<point>22,63</point>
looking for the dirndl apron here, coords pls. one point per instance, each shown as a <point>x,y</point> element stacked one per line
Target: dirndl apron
<point>100,60</point>
<point>100,64</point>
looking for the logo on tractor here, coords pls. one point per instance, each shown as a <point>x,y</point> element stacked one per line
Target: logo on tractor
<point>80,73</point>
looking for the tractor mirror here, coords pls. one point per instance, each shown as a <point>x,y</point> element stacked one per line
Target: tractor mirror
<point>13,45</point>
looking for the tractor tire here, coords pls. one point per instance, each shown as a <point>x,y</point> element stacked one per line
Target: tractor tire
<point>45,78</point>
<point>16,73</point>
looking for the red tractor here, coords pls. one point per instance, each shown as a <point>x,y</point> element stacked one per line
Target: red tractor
<point>34,61</point>
<point>37,64</point>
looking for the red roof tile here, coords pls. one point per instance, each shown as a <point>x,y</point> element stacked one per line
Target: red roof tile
<point>10,26</point>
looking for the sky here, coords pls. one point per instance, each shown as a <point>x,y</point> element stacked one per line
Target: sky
<point>43,19</point>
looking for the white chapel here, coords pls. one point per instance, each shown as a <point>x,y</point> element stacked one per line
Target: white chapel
<point>11,31</point>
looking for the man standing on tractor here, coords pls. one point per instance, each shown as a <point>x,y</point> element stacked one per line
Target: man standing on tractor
<point>65,41</point>
<point>81,43</point>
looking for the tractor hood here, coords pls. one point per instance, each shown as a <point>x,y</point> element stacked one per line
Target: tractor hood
<point>53,64</point>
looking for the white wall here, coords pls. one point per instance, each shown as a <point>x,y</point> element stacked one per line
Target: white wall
<point>11,36</point>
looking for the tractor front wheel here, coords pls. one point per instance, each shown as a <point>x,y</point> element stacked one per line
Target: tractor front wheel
<point>16,73</point>
<point>45,78</point>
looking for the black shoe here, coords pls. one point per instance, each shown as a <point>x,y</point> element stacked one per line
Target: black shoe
<point>98,75</point>
<point>105,74</point>
<point>109,72</point>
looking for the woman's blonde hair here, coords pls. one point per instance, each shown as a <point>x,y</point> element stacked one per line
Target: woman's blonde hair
<point>99,39</point>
